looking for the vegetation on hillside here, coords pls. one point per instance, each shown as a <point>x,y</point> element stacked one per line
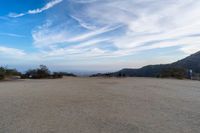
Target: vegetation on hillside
<point>180,70</point>
<point>42,72</point>
<point>7,73</point>
<point>38,73</point>
<point>178,73</point>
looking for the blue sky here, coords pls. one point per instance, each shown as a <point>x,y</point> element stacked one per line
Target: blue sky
<point>97,35</point>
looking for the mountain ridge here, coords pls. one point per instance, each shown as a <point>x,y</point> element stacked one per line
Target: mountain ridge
<point>178,69</point>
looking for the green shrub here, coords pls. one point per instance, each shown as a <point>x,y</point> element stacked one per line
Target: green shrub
<point>2,77</point>
<point>40,73</point>
<point>5,72</point>
<point>178,73</point>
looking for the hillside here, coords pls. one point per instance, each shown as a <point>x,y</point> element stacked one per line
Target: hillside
<point>191,62</point>
<point>177,69</point>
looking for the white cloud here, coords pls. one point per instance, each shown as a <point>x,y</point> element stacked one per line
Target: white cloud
<point>91,34</point>
<point>85,1</point>
<point>150,24</point>
<point>11,52</point>
<point>47,36</point>
<point>190,49</point>
<point>144,25</point>
<point>84,24</point>
<point>36,11</point>
<point>147,25</point>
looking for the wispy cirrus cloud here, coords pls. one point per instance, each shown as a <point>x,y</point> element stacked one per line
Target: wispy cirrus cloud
<point>46,36</point>
<point>11,35</point>
<point>167,20</point>
<point>84,24</point>
<point>116,29</point>
<point>36,11</point>
<point>146,26</point>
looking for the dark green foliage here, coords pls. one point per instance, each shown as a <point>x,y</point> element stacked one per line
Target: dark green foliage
<point>2,73</point>
<point>5,72</point>
<point>40,73</point>
<point>44,73</point>
<point>57,75</point>
<point>2,77</point>
<point>179,73</point>
<point>68,74</point>
<point>2,70</point>
<point>102,75</point>
<point>12,72</point>
<point>61,74</point>
<point>121,74</point>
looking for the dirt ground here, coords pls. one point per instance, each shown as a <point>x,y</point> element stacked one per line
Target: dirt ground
<point>100,105</point>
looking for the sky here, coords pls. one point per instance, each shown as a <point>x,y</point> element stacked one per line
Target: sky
<point>97,35</point>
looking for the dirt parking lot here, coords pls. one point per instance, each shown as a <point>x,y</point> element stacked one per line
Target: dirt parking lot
<point>100,105</point>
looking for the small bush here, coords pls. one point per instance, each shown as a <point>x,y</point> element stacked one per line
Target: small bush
<point>2,77</point>
<point>7,73</point>
<point>40,73</point>
<point>57,75</point>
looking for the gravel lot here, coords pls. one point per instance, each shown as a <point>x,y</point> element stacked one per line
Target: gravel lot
<point>100,105</point>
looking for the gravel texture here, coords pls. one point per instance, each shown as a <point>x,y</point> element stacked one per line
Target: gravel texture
<point>100,105</point>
